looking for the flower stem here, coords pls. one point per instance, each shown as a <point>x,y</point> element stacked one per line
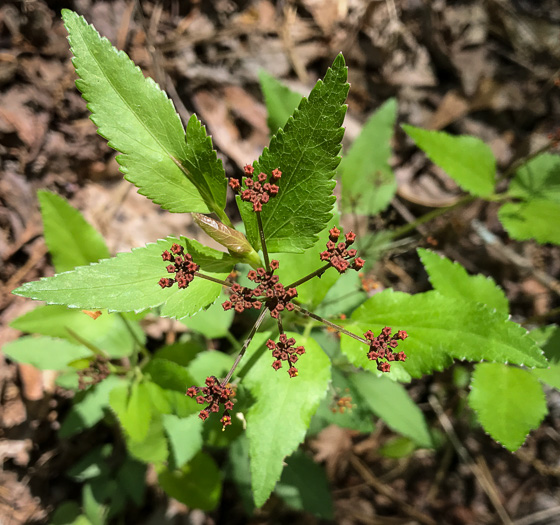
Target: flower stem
<point>258,322</point>
<point>213,279</point>
<point>318,272</point>
<point>328,323</point>
<point>263,241</point>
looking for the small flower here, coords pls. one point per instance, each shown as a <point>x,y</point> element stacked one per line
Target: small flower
<point>258,192</point>
<point>213,395</point>
<point>338,254</point>
<point>381,347</point>
<point>183,267</point>
<point>284,350</point>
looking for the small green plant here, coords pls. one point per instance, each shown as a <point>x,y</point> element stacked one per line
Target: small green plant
<point>288,209</point>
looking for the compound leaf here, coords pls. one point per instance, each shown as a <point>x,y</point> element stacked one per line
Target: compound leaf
<point>71,240</point>
<point>451,279</point>
<point>278,421</point>
<point>306,151</point>
<point>129,282</point>
<point>368,182</point>
<point>440,329</point>
<point>509,402</point>
<point>467,160</point>
<point>138,120</point>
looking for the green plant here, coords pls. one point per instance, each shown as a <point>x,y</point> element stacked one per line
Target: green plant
<point>464,318</point>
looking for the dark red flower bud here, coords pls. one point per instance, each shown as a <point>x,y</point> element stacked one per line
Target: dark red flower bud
<point>358,263</point>
<point>166,256</point>
<point>277,365</point>
<point>276,174</point>
<point>293,371</point>
<point>204,415</point>
<point>234,184</point>
<point>192,391</point>
<point>402,335</point>
<point>334,234</point>
<point>350,238</point>
<point>248,169</point>
<point>274,264</point>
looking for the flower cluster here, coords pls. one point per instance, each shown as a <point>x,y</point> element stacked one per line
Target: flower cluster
<point>183,267</point>
<point>284,350</point>
<point>382,346</point>
<point>242,299</point>
<point>338,254</point>
<point>258,192</point>
<point>213,395</point>
<point>276,297</point>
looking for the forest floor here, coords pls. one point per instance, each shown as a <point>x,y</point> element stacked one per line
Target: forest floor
<point>490,68</point>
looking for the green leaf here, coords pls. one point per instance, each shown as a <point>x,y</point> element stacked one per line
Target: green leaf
<point>304,486</point>
<point>452,280</point>
<point>197,484</point>
<point>210,362</point>
<point>467,160</point>
<point>153,449</point>
<point>280,101</point>
<point>397,448</point>
<point>45,353</point>
<point>440,329</point>
<point>390,401</point>
<point>133,410</point>
<point>214,322</point>
<point>185,437</point>
<point>240,471</point>
<point>88,408</point>
<point>92,465</point>
<point>368,182</point>
<point>531,220</point>
<point>108,332</point>
<point>509,402</point>
<point>306,151</point>
<point>131,479</point>
<point>548,338</point>
<point>71,240</point>
<point>169,375</point>
<point>538,179</point>
<point>127,282</point>
<point>138,120</point>
<point>343,297</point>
<point>278,421</point>
<point>294,266</point>
<point>68,513</point>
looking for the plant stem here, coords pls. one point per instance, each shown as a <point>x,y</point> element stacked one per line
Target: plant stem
<point>280,327</point>
<point>258,322</point>
<point>318,272</point>
<point>263,241</point>
<point>403,230</point>
<point>213,279</point>
<point>328,323</point>
<point>141,346</point>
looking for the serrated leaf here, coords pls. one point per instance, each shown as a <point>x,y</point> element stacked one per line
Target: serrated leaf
<point>390,401</point>
<point>548,338</point>
<point>89,408</point>
<point>343,297</point>
<point>304,486</point>
<point>280,101</point>
<point>278,421</point>
<point>440,329</point>
<point>509,402</point>
<point>451,279</point>
<point>108,332</point>
<point>538,179</point>
<point>45,353</point>
<point>214,322</point>
<point>467,160</point>
<point>368,182</point>
<point>185,437</point>
<point>138,120</point>
<point>133,408</point>
<point>531,220</point>
<point>128,282</point>
<point>198,484</point>
<point>210,362</point>
<point>306,151</point>
<point>169,375</point>
<point>71,240</point>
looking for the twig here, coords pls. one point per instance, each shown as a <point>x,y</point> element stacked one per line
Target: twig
<point>380,487</point>
<point>263,241</point>
<point>484,478</point>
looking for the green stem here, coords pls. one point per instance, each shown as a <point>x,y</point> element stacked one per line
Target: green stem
<point>247,342</point>
<point>318,272</point>
<point>143,349</point>
<point>328,323</point>
<point>213,279</point>
<point>263,241</point>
